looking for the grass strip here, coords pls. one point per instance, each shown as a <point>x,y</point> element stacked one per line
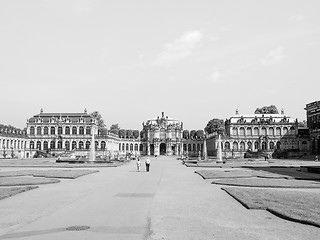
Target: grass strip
<point>21,181</point>
<point>294,205</point>
<point>10,191</point>
<point>267,183</point>
<point>68,174</point>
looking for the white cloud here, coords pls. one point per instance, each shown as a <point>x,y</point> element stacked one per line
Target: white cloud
<point>215,75</point>
<point>180,48</point>
<point>275,56</point>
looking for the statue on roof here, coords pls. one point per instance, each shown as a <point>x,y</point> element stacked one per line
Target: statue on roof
<point>41,110</point>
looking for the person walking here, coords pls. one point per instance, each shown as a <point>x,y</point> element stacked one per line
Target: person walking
<point>138,165</point>
<point>147,164</point>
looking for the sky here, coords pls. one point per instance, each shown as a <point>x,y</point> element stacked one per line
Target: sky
<point>132,60</point>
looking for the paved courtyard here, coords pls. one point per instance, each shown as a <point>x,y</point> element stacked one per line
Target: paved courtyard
<point>169,202</point>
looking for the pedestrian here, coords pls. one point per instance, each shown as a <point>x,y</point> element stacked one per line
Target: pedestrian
<point>138,165</point>
<point>317,158</point>
<point>147,164</point>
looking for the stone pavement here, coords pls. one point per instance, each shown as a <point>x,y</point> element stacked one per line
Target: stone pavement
<point>169,202</point>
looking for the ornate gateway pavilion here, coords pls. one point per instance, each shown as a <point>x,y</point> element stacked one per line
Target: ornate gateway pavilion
<point>161,136</point>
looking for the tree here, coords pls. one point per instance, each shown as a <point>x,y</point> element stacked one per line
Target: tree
<point>97,116</point>
<point>215,126</point>
<point>199,134</point>
<point>193,133</point>
<point>185,134</point>
<point>272,109</point>
<point>136,134</point>
<point>122,133</point>
<point>114,128</point>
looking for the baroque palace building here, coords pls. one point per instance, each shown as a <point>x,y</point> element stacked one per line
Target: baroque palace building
<point>65,132</point>
<point>313,123</point>
<point>13,142</point>
<point>261,132</point>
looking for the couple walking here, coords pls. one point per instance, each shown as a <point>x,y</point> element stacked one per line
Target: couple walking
<point>147,162</point>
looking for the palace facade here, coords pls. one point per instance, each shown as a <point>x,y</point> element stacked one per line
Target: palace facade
<point>13,142</point>
<point>313,123</point>
<point>260,132</point>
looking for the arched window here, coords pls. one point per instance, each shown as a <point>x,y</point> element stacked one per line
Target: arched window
<point>256,145</point>
<point>31,145</point>
<point>189,147</point>
<point>194,147</point>
<point>88,130</point>
<point>103,145</point>
<point>278,145</point>
<point>198,147</point>
<point>256,131</point>
<point>285,131</point>
<point>235,146</point>
<point>96,145</point>
<point>136,147</point>
<point>131,147</point>
<point>119,146</point>
<point>38,145</point>
<point>271,131</point>
<point>271,145</point>
<point>234,131</point>
<point>227,145</point>
<point>60,130</point>
<point>241,131</point>
<point>81,130</point>
<point>52,145</point>
<point>67,130</point>
<point>123,147</point>
<point>74,145</point>
<point>81,145</point>
<point>264,145</point>
<point>60,144</point>
<point>127,147</point>
<point>292,131</point>
<point>52,130</point>
<point>249,144</point>
<point>249,131</point>
<point>31,130</point>
<point>87,144</point>
<point>141,147</point>
<point>184,147</point>
<point>278,131</point>
<point>38,130</point>
<point>263,131</point>
<point>45,131</point>
<point>74,130</point>
<point>67,144</point>
<point>242,146</point>
<point>45,145</point>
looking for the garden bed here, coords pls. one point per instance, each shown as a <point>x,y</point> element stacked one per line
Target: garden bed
<point>10,191</point>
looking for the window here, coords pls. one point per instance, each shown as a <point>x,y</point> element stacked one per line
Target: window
<point>278,131</point>
<point>52,130</point>
<point>227,146</point>
<point>119,146</point>
<point>127,147</point>
<point>74,145</point>
<point>32,145</point>
<point>88,130</point>
<point>235,146</point>
<point>271,131</point>
<point>45,145</point>
<point>263,131</point>
<point>136,147</point>
<point>103,145</point>
<point>234,131</point>
<point>285,131</point>
<point>38,130</point>
<point>59,144</point>
<point>31,130</point>
<point>87,144</point>
<point>241,131</point>
<point>131,147</point>
<point>256,131</point>
<point>256,145</point>
<point>249,131</point>
<point>242,146</point>
<point>60,130</point>
<point>74,130</point>
<point>67,144</point>
<point>67,131</point>
<point>45,131</point>
<point>81,131</point>
<point>38,145</point>
<point>249,144</point>
<point>52,145</point>
<point>81,145</point>
<point>271,145</point>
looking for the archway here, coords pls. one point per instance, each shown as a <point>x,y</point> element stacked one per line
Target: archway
<point>151,149</point>
<point>163,149</point>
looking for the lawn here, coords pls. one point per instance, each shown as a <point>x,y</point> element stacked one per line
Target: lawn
<point>70,174</point>
<point>266,182</point>
<point>295,205</point>
<point>21,181</point>
<point>236,173</point>
<point>10,191</point>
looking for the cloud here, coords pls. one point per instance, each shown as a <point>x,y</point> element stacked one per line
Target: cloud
<point>274,57</point>
<point>180,48</point>
<point>215,75</point>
